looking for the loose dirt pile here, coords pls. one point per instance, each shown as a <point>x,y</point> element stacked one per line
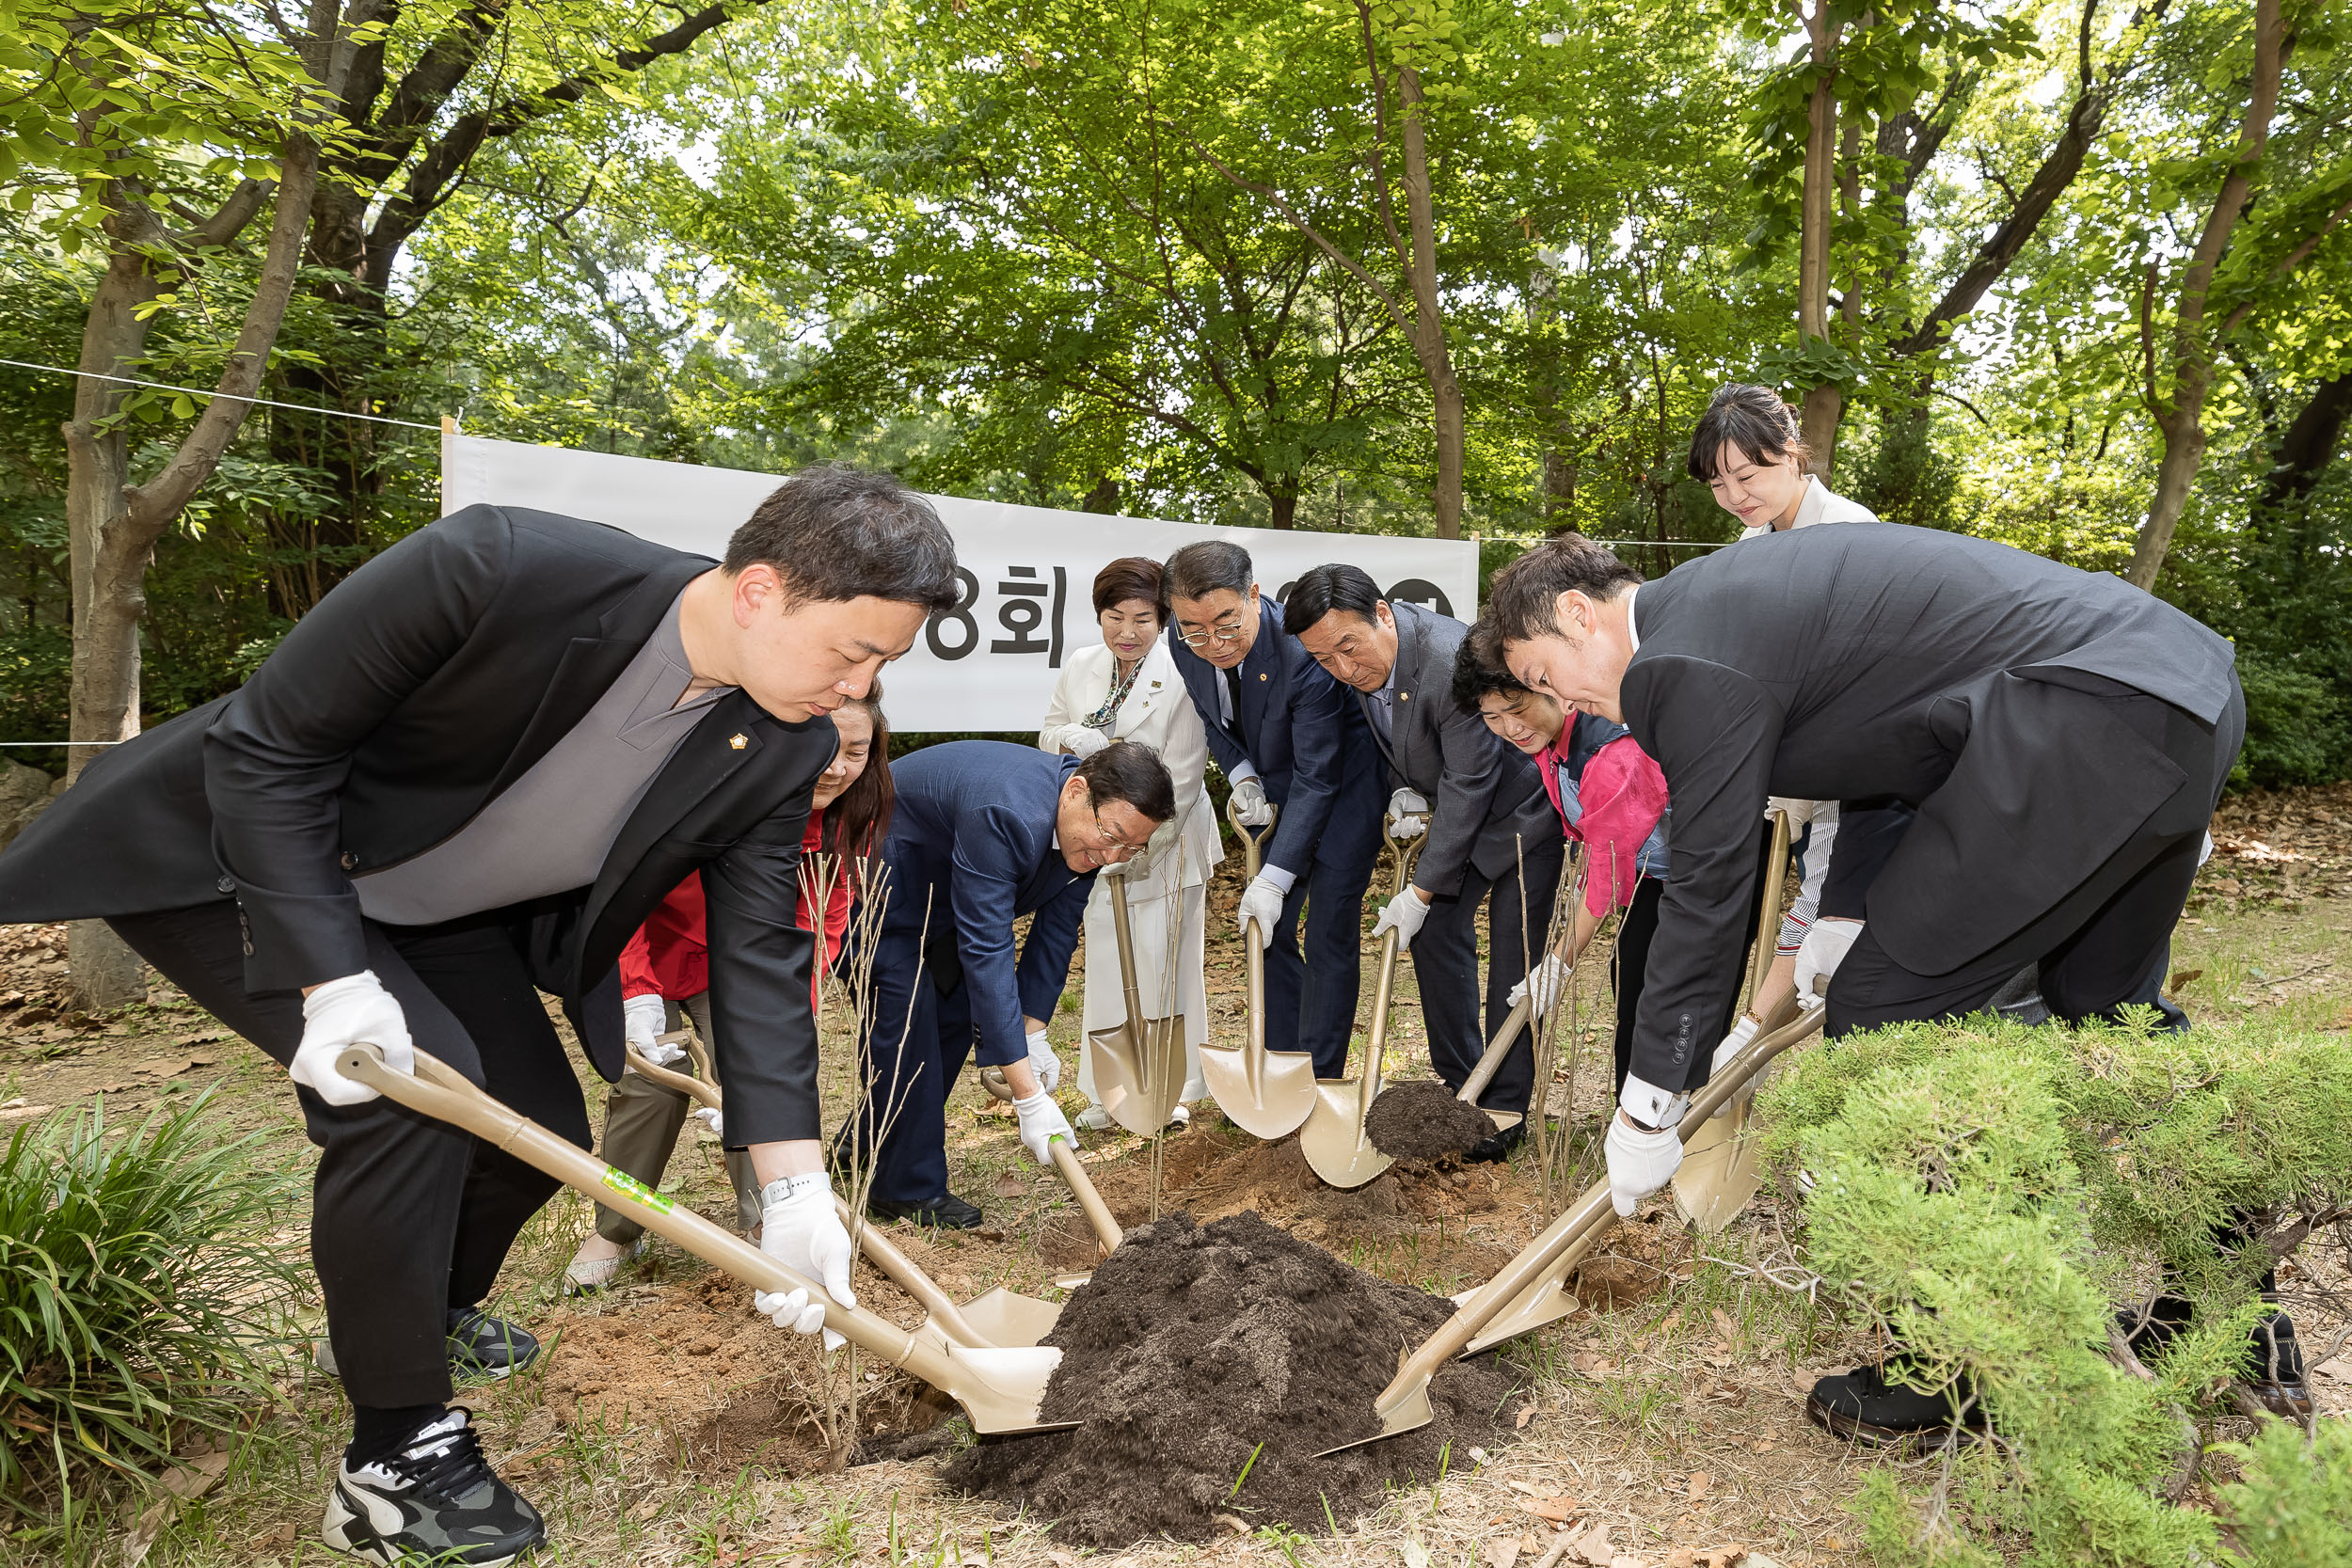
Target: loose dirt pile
<point>1197,1347</point>
<point>1424,1121</point>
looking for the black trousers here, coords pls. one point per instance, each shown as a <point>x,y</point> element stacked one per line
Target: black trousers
<point>1445,962</point>
<point>2108,943</point>
<point>409,1217</point>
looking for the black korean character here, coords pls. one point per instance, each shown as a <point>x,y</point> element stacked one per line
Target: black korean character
<point>1023,614</point>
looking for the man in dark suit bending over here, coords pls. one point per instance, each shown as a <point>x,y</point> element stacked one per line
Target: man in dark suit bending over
<point>984,833</point>
<point>1286,735</point>
<point>1494,840</point>
<point>2063,736</point>
<point>465,778</point>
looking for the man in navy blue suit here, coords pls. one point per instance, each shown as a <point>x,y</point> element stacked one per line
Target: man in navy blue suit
<point>1285,733</point>
<point>983,832</point>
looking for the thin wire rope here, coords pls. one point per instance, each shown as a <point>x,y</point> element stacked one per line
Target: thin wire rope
<point>214,392</point>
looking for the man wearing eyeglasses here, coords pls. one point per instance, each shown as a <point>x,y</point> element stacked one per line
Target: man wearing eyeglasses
<point>983,832</point>
<point>1287,736</point>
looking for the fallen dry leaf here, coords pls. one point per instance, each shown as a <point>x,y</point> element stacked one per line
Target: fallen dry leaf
<point>1700,1481</point>
<point>191,1478</point>
<point>1627,1561</point>
<point>1527,1414</point>
<point>1062,1559</point>
<point>1723,1324</point>
<point>647,1509</point>
<point>1593,1547</point>
<point>1500,1551</point>
<point>1011,1185</point>
<point>1558,1509</point>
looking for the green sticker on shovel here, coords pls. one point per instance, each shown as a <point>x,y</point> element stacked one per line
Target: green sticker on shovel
<point>628,1186</point>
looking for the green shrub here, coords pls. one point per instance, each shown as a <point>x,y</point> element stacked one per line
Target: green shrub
<point>1994,1192</point>
<point>138,1299</point>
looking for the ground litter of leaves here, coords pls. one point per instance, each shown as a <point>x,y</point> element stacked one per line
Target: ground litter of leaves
<point>1212,1365</point>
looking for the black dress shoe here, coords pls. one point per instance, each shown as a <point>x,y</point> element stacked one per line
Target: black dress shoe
<point>481,1345</point>
<point>1864,1406</point>
<point>2273,1370</point>
<point>1495,1147</point>
<point>947,1212</point>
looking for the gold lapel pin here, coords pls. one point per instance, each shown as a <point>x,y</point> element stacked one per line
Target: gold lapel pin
<point>1261,674</point>
<point>738,741</point>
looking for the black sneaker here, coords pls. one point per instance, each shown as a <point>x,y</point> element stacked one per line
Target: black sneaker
<point>947,1212</point>
<point>1495,1147</point>
<point>482,1346</point>
<point>435,1498</point>
<point>1862,1406</point>
<point>2273,1370</point>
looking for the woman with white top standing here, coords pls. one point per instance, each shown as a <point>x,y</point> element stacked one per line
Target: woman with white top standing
<point>1749,450</point>
<point>1129,690</point>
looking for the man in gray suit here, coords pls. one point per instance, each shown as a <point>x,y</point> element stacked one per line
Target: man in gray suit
<point>2063,736</point>
<point>1493,836</point>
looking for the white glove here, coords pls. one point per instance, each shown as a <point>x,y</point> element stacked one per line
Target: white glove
<point>642,1021</point>
<point>1042,1122</point>
<point>1824,948</point>
<point>1250,803</point>
<point>354,1010</point>
<point>1735,1042</point>
<point>1550,977</point>
<point>1044,1062</point>
<point>709,1116</point>
<point>800,1228</point>
<point>1408,812</point>
<point>1080,740</point>
<point>1402,914</point>
<point>1639,1163</point>
<point>1261,903</point>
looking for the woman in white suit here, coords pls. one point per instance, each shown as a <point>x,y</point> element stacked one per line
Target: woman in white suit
<point>1128,689</point>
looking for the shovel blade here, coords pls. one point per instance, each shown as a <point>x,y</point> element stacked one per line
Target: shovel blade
<point>1278,1103</point>
<point>1410,1411</point>
<point>1011,1319</point>
<point>1333,1138</point>
<point>1546,1301</point>
<point>1001,1389</point>
<point>1140,1074</point>
<point>1719,1174</point>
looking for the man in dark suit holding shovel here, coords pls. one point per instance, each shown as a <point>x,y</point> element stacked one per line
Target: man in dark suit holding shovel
<point>1494,840</point>
<point>462,780</point>
<point>2063,736</point>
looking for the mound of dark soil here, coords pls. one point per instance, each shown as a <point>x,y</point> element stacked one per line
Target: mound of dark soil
<point>1195,1346</point>
<point>1423,1120</point>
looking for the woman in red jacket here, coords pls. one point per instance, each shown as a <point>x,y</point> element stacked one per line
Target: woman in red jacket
<point>664,973</point>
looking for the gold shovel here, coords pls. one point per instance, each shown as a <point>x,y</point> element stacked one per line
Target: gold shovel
<point>1500,1047</point>
<point>1333,1138</point>
<point>1534,1277</point>
<point>1011,1317</point>
<point>999,1387</point>
<point>1718,1164</point>
<point>1139,1061</point>
<point>1266,1093</point>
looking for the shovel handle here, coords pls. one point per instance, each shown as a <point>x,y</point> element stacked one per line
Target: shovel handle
<point>1586,1217</point>
<point>1491,1061</point>
<point>440,1091</point>
<point>1767,914</point>
<point>678,1083</point>
<point>1082,1187</point>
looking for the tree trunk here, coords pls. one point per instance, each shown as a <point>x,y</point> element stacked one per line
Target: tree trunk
<point>1825,403</point>
<point>2180,415</point>
<point>2308,446</point>
<point>1445,392</point>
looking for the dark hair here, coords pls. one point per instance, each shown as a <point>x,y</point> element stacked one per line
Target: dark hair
<point>1523,599</point>
<point>1325,588</point>
<point>1132,576</point>
<point>861,817</point>
<point>1201,569</point>
<point>836,533</point>
<point>1129,772</point>
<point>1752,418</point>
<point>1479,671</point>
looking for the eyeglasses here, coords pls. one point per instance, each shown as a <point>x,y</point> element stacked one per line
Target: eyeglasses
<point>1224,631</point>
<point>1111,837</point>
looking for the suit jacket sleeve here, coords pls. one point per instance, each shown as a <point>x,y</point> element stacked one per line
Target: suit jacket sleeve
<point>1318,722</point>
<point>763,964</point>
<point>1058,709</point>
<point>277,758</point>
<point>1472,769</point>
<point>1713,732</point>
<point>984,884</point>
<point>1045,969</point>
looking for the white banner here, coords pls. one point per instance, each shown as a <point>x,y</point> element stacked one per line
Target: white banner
<point>1029,570</point>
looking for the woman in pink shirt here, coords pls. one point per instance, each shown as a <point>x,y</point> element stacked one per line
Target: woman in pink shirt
<point>1611,799</point>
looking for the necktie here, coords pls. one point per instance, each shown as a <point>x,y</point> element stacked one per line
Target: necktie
<point>1232,690</point>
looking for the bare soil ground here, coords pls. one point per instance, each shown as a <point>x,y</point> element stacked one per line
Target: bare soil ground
<point>668,1424</point>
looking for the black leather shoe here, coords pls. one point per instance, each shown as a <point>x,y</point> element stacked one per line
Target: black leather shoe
<point>482,1346</point>
<point>1862,1406</point>
<point>947,1212</point>
<point>1495,1147</point>
<point>2273,1370</point>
